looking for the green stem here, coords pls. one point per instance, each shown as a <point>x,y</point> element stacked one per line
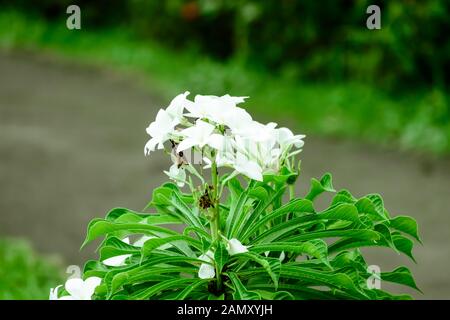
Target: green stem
<point>215,223</point>
<point>291,191</point>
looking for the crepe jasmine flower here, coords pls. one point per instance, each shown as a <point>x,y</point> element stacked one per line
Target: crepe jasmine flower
<point>77,288</point>
<point>235,100</point>
<point>198,135</point>
<point>160,130</point>
<point>202,106</point>
<point>234,246</point>
<point>177,174</point>
<point>207,270</point>
<point>286,139</point>
<point>247,167</point>
<point>177,105</point>
<point>54,293</point>
<point>118,261</point>
<point>217,109</point>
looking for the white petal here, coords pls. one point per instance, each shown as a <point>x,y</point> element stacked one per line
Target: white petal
<point>186,144</point>
<point>68,298</point>
<point>75,287</point>
<point>141,241</point>
<point>89,286</point>
<point>206,271</point>
<point>150,146</point>
<point>216,141</point>
<point>116,261</point>
<point>235,247</point>
<point>54,293</point>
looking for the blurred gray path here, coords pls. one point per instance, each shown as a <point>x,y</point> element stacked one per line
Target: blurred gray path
<point>71,148</point>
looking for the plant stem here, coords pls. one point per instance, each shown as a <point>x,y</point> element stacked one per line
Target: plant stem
<point>215,223</point>
<point>291,191</point>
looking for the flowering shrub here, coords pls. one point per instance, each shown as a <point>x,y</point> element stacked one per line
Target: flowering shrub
<point>242,236</point>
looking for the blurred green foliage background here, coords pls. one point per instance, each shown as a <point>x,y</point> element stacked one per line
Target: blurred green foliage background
<point>317,61</point>
<point>312,65</point>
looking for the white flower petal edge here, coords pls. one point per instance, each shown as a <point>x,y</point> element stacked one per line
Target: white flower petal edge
<point>234,246</point>
<point>77,288</point>
<point>118,261</point>
<point>177,174</point>
<point>207,270</point>
<point>54,293</point>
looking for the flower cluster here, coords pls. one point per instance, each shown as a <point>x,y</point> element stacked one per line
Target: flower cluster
<point>223,133</point>
<point>77,289</point>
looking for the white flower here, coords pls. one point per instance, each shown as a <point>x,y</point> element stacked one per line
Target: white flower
<point>54,293</point>
<point>160,131</point>
<point>234,246</point>
<point>78,289</point>
<point>177,105</point>
<point>247,167</point>
<point>177,174</point>
<point>232,99</point>
<point>221,110</point>
<point>118,261</point>
<point>199,135</point>
<point>206,270</point>
<point>286,138</point>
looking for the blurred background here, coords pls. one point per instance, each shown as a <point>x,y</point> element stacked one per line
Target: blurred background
<point>74,105</point>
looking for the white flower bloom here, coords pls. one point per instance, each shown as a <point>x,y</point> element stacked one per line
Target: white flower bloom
<point>199,135</point>
<point>177,174</point>
<point>248,167</point>
<point>286,138</point>
<point>177,105</point>
<point>160,131</point>
<point>78,289</point>
<point>218,109</point>
<point>235,100</point>
<point>282,256</point>
<point>54,293</point>
<point>207,270</point>
<point>118,261</point>
<point>234,246</point>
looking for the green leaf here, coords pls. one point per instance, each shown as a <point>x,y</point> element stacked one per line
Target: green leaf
<point>187,291</point>
<point>367,206</point>
<point>236,209</point>
<point>100,227</point>
<point>404,245</point>
<point>333,280</point>
<point>152,244</point>
<point>318,187</point>
<point>257,213</point>
<point>379,204</point>
<point>163,285</point>
<point>401,275</point>
<point>221,256</point>
<point>258,193</point>
<point>347,212</point>
<point>186,213</point>
<point>270,265</point>
<point>297,205</point>
<point>316,248</point>
<point>407,225</point>
<point>350,233</point>
<point>240,292</point>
